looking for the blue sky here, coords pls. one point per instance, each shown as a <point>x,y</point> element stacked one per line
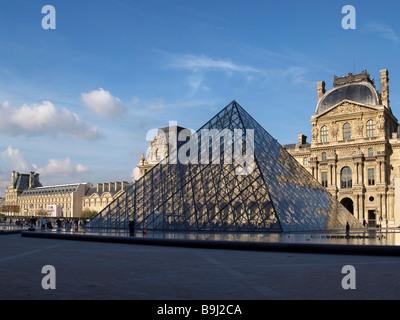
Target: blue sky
<point>77,102</point>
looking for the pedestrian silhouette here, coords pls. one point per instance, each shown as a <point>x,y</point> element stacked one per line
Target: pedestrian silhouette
<point>132,228</point>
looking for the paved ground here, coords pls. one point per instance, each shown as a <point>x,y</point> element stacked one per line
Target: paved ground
<point>96,270</point>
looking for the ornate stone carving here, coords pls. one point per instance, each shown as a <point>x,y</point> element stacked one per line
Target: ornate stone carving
<point>346,108</point>
<point>314,133</point>
<point>346,152</point>
<point>380,125</point>
<point>358,152</point>
<point>332,153</point>
<point>359,128</point>
<point>353,78</point>
<point>334,131</point>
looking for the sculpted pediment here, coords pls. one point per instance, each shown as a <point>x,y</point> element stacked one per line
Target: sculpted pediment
<point>347,107</point>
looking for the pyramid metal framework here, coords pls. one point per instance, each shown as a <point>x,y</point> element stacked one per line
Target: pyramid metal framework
<point>278,194</point>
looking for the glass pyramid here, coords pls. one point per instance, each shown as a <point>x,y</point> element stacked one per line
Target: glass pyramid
<point>211,190</point>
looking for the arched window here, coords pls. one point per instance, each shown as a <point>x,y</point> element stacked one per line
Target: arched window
<point>324,134</point>
<point>323,156</point>
<point>157,154</point>
<point>346,178</point>
<point>346,131</point>
<point>370,128</point>
<point>305,161</point>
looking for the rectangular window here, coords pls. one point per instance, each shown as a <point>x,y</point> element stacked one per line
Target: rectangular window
<point>347,131</point>
<point>324,179</point>
<point>371,177</point>
<point>324,134</point>
<point>370,129</point>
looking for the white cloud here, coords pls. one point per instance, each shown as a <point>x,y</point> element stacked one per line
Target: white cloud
<point>56,170</point>
<point>103,103</point>
<point>81,169</point>
<point>196,63</point>
<point>382,29</point>
<point>62,167</point>
<point>44,118</point>
<point>17,158</point>
<point>200,65</point>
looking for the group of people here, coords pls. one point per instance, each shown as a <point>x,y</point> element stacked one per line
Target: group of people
<point>47,223</point>
<point>68,224</point>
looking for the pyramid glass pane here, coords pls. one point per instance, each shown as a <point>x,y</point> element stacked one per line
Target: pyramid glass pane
<point>277,194</point>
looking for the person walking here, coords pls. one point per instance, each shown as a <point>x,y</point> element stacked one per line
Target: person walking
<point>132,228</point>
<point>347,230</point>
<point>43,223</point>
<point>68,225</point>
<point>58,222</point>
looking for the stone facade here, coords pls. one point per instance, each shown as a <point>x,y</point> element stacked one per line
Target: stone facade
<point>355,149</point>
<point>27,193</point>
<point>166,139</point>
<point>34,201</point>
<point>98,197</point>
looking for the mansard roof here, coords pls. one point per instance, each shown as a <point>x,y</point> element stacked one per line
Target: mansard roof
<point>358,88</point>
<point>22,182</point>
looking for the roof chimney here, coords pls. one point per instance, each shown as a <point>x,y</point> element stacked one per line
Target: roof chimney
<point>302,139</point>
<point>12,182</point>
<point>31,179</point>
<point>385,87</point>
<point>320,89</point>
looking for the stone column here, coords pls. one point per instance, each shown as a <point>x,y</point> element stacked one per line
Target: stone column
<point>357,211</point>
<point>336,177</point>
<point>363,207</point>
<point>364,175</point>
<point>357,173</point>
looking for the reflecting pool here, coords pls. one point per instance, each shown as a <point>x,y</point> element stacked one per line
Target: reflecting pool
<point>390,236</point>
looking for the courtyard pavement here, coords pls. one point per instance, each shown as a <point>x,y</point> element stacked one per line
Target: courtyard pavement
<point>92,270</point>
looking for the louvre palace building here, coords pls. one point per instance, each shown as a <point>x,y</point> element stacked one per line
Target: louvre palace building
<point>352,162</point>
<point>26,193</point>
<point>355,148</point>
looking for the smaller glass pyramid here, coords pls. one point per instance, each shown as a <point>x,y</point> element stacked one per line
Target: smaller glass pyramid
<point>214,189</point>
